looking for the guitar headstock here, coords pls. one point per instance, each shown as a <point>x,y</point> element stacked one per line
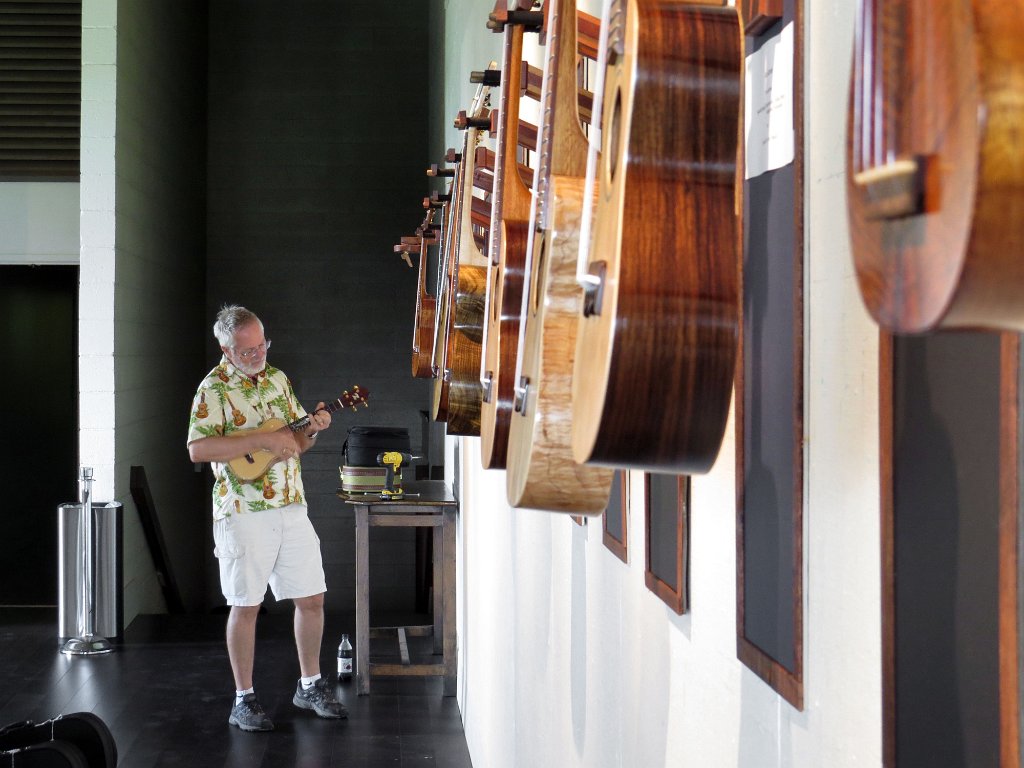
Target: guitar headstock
<point>352,398</point>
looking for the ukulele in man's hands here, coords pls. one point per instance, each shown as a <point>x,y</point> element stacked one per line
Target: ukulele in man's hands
<point>252,466</point>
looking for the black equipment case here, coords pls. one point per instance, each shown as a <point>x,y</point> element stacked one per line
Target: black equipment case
<point>364,444</point>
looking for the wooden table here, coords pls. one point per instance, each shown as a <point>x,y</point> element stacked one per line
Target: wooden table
<point>425,504</point>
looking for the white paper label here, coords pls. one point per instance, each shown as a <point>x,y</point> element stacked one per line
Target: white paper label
<point>768,115</point>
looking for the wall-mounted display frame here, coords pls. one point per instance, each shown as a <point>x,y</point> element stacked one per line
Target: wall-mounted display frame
<point>616,516</point>
<point>950,455</point>
<point>667,534</point>
<point>770,411</point>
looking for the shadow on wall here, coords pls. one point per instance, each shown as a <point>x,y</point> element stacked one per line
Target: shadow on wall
<point>578,639</point>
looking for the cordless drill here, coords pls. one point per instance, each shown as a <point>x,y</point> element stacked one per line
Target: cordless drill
<point>393,461</point>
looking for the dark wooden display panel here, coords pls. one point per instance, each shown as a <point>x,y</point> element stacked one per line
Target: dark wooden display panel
<point>667,530</point>
<point>950,511</point>
<point>616,516</point>
<point>769,414</point>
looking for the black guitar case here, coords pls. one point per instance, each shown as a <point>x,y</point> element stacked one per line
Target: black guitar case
<point>82,732</point>
<point>50,754</point>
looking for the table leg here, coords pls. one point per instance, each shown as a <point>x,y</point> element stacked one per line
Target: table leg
<point>439,593</point>
<point>362,601</point>
<point>450,650</point>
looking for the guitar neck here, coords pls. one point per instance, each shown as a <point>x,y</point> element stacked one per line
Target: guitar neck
<point>331,407</point>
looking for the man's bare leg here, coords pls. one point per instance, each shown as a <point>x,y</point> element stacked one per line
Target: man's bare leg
<point>241,639</point>
<point>309,632</point>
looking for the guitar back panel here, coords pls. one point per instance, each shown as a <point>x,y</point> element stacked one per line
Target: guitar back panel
<point>950,108</point>
<point>656,347</point>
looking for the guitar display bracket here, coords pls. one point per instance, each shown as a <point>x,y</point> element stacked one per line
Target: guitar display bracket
<point>593,288</point>
<point>522,391</point>
<point>487,382</point>
<point>531,21</point>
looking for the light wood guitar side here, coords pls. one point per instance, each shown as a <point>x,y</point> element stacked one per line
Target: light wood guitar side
<point>510,218</point>
<point>542,473</point>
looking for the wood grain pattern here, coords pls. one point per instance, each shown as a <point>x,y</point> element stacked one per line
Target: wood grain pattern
<point>464,335</point>
<point>455,360</point>
<point>935,175</point>
<point>510,215</point>
<point>1009,551</point>
<point>423,325</point>
<point>655,356</point>
<point>542,473</point>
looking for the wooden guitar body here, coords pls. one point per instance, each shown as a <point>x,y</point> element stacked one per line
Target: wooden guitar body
<point>656,346</point>
<point>542,473</point>
<point>423,326</point>
<point>442,322</point>
<point>254,465</point>
<point>510,219</point>
<point>463,368</point>
<point>505,299</point>
<point>455,213</point>
<point>423,335</point>
<point>457,394</point>
<point>935,182</point>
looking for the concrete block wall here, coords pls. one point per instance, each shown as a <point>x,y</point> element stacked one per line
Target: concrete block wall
<point>142,279</point>
<point>317,150</point>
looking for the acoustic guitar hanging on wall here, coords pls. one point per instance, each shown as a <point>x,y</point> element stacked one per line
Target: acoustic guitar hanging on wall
<point>935,172</point>
<point>541,471</point>
<point>656,346</point>
<point>509,235</point>
<point>456,391</point>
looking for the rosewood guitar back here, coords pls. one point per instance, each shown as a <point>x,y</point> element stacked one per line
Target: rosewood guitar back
<point>656,346</point>
<point>935,181</point>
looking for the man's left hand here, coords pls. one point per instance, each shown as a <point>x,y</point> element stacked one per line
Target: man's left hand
<point>319,419</point>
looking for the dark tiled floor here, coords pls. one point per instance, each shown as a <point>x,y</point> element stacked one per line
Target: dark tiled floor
<point>166,693</point>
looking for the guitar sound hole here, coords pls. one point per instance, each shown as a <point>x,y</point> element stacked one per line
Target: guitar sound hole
<point>539,275</point>
<point>495,310</point>
<point>614,136</point>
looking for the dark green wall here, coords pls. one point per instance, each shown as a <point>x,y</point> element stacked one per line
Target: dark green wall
<point>317,146</point>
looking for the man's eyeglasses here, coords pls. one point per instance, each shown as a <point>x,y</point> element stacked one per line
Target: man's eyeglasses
<point>250,353</point>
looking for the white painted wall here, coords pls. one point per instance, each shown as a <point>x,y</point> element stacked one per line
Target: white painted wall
<point>97,275</point>
<point>143,238</point>
<point>566,659</point>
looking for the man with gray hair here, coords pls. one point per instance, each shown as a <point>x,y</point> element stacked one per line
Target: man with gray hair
<point>261,530</point>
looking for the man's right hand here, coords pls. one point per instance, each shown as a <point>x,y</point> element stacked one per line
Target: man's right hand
<point>281,443</point>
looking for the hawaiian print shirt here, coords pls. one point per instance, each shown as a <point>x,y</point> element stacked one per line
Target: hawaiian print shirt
<point>228,401</point>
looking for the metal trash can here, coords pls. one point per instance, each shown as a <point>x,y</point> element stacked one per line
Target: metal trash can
<point>108,576</point>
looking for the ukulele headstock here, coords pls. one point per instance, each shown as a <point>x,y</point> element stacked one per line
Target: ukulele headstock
<point>354,398</point>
